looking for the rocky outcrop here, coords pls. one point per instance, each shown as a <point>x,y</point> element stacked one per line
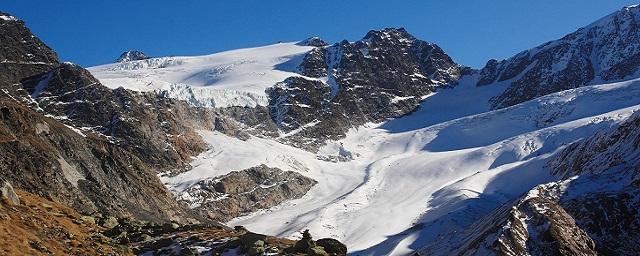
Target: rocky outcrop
<point>607,50</point>
<point>7,194</point>
<point>617,149</point>
<point>604,198</point>
<point>66,137</point>
<point>313,41</point>
<point>144,123</point>
<point>242,192</point>
<point>46,157</point>
<point>536,224</point>
<point>540,226</point>
<point>332,246</point>
<point>384,75</point>
<point>22,55</point>
<point>132,56</point>
<point>230,127</point>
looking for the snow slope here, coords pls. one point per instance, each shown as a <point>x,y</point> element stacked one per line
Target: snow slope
<point>411,178</point>
<point>231,78</point>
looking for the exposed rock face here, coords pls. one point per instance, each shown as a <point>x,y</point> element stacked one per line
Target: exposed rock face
<point>382,76</point>
<point>66,137</point>
<point>230,127</point>
<point>243,192</point>
<point>605,200</point>
<point>22,55</point>
<point>7,193</point>
<point>132,56</point>
<point>46,157</point>
<point>539,226</point>
<point>141,122</point>
<point>607,50</point>
<point>313,41</point>
<point>617,149</point>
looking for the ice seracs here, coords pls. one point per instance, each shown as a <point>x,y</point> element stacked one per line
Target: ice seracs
<point>232,78</point>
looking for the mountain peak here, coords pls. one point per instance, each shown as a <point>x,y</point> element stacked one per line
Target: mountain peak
<point>632,7</point>
<point>607,50</point>
<point>389,33</point>
<point>132,56</point>
<point>313,41</point>
<point>7,17</point>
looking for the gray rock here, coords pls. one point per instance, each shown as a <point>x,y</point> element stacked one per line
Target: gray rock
<point>88,220</point>
<point>243,192</point>
<point>109,222</point>
<point>382,76</point>
<point>7,193</point>
<point>313,41</point>
<point>230,127</point>
<point>132,56</point>
<point>332,246</point>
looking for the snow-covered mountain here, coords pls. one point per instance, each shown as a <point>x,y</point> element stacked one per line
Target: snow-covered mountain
<point>132,56</point>
<point>413,152</point>
<point>233,78</point>
<point>425,173</point>
<point>605,51</point>
<point>311,93</point>
<point>385,143</point>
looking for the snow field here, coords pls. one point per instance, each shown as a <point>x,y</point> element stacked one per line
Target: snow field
<point>416,176</point>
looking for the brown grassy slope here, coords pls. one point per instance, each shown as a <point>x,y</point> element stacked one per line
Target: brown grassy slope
<point>41,227</point>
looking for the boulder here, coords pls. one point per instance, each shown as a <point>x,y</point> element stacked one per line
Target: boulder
<point>7,193</point>
<point>332,246</point>
<point>109,223</point>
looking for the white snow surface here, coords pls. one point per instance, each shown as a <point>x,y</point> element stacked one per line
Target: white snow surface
<point>8,18</point>
<point>415,177</point>
<point>231,78</point>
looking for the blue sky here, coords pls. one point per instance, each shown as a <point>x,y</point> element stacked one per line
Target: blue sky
<point>471,31</point>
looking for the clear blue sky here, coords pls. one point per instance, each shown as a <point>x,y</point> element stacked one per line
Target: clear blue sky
<point>471,31</point>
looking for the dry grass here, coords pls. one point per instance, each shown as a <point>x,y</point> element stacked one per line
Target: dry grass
<point>42,227</point>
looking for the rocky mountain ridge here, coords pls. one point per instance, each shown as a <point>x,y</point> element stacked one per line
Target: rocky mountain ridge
<point>384,75</point>
<point>66,137</point>
<point>132,56</point>
<point>605,51</point>
<point>98,149</point>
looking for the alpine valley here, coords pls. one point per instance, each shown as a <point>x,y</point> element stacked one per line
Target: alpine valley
<point>382,146</point>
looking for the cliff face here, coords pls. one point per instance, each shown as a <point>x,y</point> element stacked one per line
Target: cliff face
<point>384,75</point>
<point>66,137</point>
<point>22,54</point>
